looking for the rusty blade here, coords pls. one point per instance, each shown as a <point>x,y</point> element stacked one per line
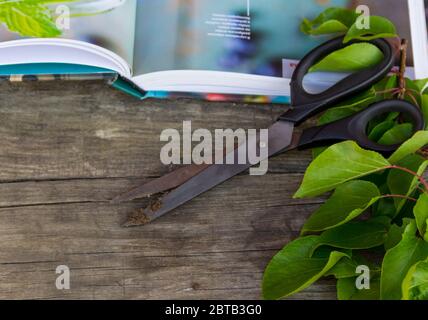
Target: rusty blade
<point>167,182</point>
<point>280,138</point>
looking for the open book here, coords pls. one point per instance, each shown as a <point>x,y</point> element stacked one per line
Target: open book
<point>219,49</point>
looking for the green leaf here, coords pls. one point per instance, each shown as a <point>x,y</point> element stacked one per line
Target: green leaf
<point>352,58</point>
<point>399,260</point>
<point>395,234</point>
<point>379,130</point>
<point>340,163</point>
<point>412,92</point>
<point>346,109</point>
<point>355,235</point>
<point>417,142</point>
<point>345,268</point>
<point>382,118</point>
<point>415,284</point>
<point>293,269</point>
<point>347,202</point>
<point>424,107</point>
<point>347,290</point>
<point>332,20</point>
<point>390,83</point>
<point>360,101</point>
<point>397,135</point>
<point>28,19</point>
<point>380,27</point>
<point>384,207</point>
<point>422,85</point>
<point>328,27</point>
<point>421,215</point>
<point>349,107</point>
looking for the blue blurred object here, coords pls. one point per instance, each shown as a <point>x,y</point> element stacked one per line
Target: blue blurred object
<point>241,46</point>
<point>231,60</point>
<point>50,69</point>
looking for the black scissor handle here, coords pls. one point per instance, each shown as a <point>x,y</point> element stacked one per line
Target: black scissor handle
<point>355,126</point>
<point>305,105</point>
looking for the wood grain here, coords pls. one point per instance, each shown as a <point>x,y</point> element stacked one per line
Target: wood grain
<point>66,148</point>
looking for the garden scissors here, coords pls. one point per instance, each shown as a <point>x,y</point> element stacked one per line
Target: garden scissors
<point>193,180</point>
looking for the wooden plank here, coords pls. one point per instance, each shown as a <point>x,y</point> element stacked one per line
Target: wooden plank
<point>67,130</point>
<point>67,148</point>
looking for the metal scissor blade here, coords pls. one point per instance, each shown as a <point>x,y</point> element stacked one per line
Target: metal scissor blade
<point>280,136</point>
<point>167,182</point>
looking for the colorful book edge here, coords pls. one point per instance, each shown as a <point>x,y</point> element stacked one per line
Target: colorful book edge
<point>73,72</point>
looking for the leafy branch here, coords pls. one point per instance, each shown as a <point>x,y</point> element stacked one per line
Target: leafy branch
<point>28,18</point>
<point>355,192</point>
<point>419,177</point>
<point>391,193</point>
<point>31,18</point>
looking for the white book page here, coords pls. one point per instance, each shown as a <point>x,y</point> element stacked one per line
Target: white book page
<point>213,82</point>
<point>61,51</point>
<point>98,27</point>
<point>418,15</point>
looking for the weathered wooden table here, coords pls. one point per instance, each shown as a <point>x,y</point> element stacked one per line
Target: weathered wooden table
<point>66,148</point>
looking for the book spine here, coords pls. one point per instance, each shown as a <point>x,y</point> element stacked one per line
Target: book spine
<point>218,97</point>
<point>111,78</point>
<point>127,86</point>
<point>58,77</point>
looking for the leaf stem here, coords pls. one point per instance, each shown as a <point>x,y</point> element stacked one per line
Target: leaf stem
<point>421,189</point>
<point>401,78</point>
<point>392,90</point>
<point>415,101</point>
<point>420,178</point>
<point>399,196</point>
<point>413,90</point>
<point>424,152</point>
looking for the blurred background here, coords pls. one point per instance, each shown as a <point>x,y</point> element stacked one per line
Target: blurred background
<point>158,35</point>
<point>107,23</point>
<point>174,34</point>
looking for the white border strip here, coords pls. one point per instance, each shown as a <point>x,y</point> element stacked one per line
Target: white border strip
<point>418,26</point>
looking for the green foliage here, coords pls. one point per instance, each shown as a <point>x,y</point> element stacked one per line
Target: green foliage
<point>419,140</point>
<point>30,18</point>
<point>346,22</point>
<point>415,284</point>
<point>303,268</point>
<point>379,206</point>
<point>338,164</point>
<point>380,27</point>
<point>403,183</point>
<point>421,215</point>
<point>332,20</point>
<point>399,260</point>
<point>346,289</point>
<point>353,197</point>
<point>352,58</point>
<point>397,134</point>
<point>360,179</point>
<point>355,235</point>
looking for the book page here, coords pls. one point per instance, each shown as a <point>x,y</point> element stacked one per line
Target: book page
<point>244,36</point>
<point>419,22</point>
<point>107,23</point>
